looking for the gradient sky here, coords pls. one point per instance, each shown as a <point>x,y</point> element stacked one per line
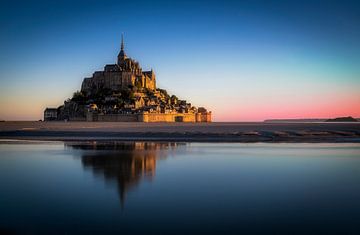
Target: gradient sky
<point>244,60</point>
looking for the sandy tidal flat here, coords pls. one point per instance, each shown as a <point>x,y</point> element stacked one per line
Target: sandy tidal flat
<point>204,132</point>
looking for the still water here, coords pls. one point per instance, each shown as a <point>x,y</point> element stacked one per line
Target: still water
<point>179,188</point>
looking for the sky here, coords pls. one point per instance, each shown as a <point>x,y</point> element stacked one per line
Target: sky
<point>243,60</point>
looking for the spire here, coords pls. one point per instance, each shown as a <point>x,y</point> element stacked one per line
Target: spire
<point>122,41</point>
<point>122,55</point>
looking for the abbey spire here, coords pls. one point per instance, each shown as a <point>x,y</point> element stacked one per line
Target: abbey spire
<point>122,42</point>
<point>122,55</point>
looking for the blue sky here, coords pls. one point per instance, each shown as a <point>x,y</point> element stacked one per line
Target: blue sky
<point>244,60</point>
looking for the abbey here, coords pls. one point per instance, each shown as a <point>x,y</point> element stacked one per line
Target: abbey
<point>124,74</point>
<point>122,92</point>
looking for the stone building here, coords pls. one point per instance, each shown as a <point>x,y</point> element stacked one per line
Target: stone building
<point>122,75</point>
<point>50,114</point>
<point>122,92</point>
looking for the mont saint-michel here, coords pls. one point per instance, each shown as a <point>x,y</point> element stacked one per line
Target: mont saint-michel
<point>123,92</point>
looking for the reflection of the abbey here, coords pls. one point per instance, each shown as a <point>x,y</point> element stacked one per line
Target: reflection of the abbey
<point>125,162</point>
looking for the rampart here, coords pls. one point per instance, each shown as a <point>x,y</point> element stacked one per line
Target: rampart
<point>149,117</point>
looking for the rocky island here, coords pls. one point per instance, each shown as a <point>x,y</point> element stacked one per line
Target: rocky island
<point>123,92</point>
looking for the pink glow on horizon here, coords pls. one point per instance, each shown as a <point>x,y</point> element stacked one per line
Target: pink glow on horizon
<point>312,108</point>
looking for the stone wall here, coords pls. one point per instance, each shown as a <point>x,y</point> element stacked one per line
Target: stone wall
<point>77,119</point>
<point>94,117</point>
<point>117,118</point>
<point>203,117</point>
<point>167,117</point>
<point>117,80</point>
<point>149,117</point>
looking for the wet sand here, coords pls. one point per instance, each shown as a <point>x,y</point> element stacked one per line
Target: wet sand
<point>191,132</point>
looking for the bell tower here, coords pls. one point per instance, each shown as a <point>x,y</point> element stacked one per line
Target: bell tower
<point>122,56</point>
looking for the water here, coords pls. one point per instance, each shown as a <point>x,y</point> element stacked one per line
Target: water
<point>178,188</point>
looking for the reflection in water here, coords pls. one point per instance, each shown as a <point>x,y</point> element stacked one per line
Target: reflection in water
<point>125,162</point>
<point>209,188</point>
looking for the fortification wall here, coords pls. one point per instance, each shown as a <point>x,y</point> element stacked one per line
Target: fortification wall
<point>203,117</point>
<point>94,117</point>
<point>77,119</point>
<point>149,117</point>
<point>167,117</point>
<point>117,118</point>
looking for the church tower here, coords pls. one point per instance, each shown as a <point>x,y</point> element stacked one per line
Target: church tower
<point>122,56</point>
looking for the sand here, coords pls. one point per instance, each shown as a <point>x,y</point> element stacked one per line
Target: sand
<point>197,132</point>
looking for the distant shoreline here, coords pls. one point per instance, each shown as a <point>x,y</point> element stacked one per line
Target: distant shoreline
<point>183,132</point>
<point>314,120</point>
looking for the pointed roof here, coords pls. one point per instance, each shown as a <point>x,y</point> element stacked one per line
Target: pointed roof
<point>122,41</point>
<point>122,56</point>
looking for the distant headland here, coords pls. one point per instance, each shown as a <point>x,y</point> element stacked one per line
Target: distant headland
<point>309,120</point>
<point>123,92</point>
<point>342,119</point>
